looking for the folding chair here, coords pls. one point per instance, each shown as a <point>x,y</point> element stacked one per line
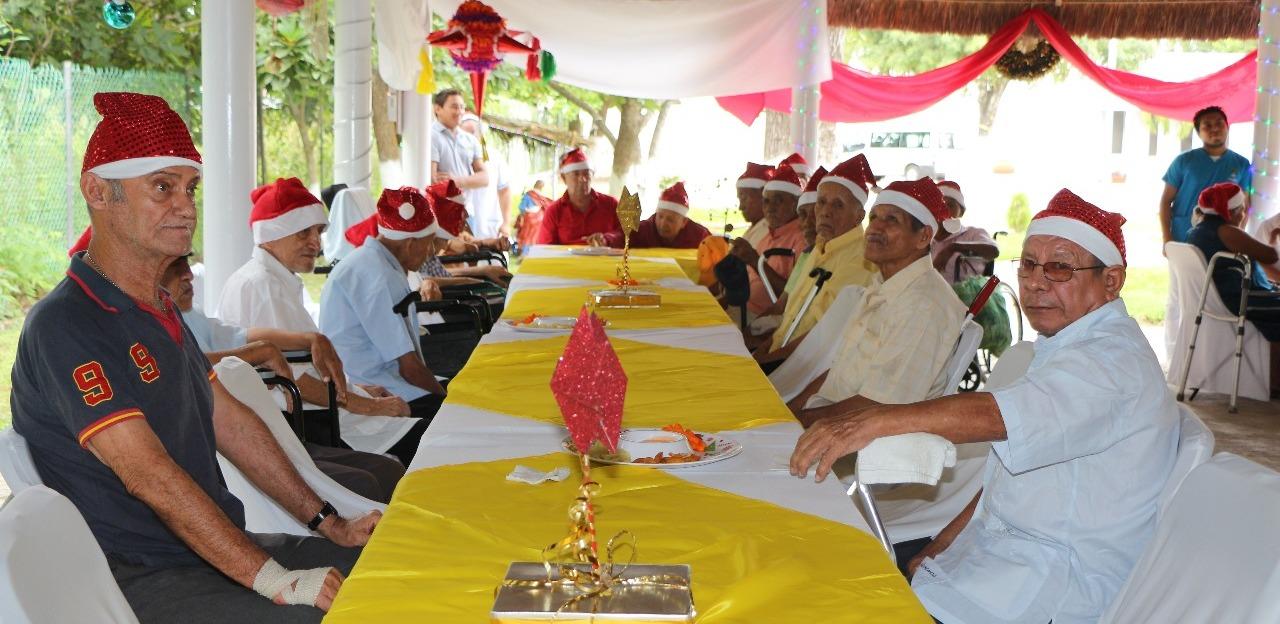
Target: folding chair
<point>446,347</point>
<point>1215,554</point>
<point>16,466</point>
<point>295,416</point>
<point>1187,260</point>
<point>51,567</point>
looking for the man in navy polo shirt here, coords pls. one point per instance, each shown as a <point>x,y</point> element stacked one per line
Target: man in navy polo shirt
<point>123,414</point>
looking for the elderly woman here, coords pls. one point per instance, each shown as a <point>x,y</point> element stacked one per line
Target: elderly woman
<point>1219,212</point>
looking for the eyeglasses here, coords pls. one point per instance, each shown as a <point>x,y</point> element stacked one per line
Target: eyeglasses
<point>1053,271</point>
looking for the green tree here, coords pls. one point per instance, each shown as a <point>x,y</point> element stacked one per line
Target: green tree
<point>295,74</point>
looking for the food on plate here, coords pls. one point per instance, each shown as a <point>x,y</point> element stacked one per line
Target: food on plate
<point>677,458</point>
<point>696,442</point>
<point>528,320</point>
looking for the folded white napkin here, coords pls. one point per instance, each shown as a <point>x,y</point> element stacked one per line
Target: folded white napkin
<point>906,458</point>
<point>525,474</point>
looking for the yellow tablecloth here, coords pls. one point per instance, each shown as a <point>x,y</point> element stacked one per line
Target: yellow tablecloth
<point>664,385</point>
<point>601,269</point>
<point>451,531</point>
<point>680,308</point>
<point>686,258</point>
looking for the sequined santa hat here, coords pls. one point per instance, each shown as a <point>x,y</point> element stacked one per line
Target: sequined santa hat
<point>855,175</point>
<point>574,160</point>
<point>784,179</point>
<point>755,176</point>
<point>1070,217</point>
<point>675,199</point>
<point>810,194</point>
<point>283,208</point>
<point>448,206</point>
<point>1221,199</point>
<point>138,134</point>
<point>920,198</point>
<point>405,213</point>
<point>797,164</point>
<point>951,190</point>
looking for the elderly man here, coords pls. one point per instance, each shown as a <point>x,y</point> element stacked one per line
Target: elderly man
<point>355,305</point>
<point>799,165</point>
<point>369,474</point>
<point>838,249</point>
<point>267,293</point>
<point>956,245</point>
<point>895,348</point>
<point>124,415</point>
<point>781,193</point>
<point>1081,445</point>
<point>750,187</point>
<point>581,213</point>
<point>455,154</point>
<point>670,226</point>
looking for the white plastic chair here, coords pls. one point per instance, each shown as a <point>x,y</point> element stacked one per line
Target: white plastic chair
<point>1215,555</point>
<point>262,513</point>
<point>16,466</point>
<point>917,511</point>
<point>816,352</point>
<point>1195,447</point>
<point>350,206</point>
<point>51,567</point>
<point>1205,348</point>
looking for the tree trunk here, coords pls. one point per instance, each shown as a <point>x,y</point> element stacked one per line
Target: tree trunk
<point>990,88</point>
<point>657,126</point>
<point>384,127</point>
<point>777,134</point>
<point>299,113</point>
<point>626,151</point>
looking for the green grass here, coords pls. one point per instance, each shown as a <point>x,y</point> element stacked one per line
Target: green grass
<point>9,331</point>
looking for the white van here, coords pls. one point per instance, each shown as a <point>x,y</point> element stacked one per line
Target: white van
<point>905,154</point>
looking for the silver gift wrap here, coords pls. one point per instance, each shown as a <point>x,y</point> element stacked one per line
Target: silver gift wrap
<point>647,593</point>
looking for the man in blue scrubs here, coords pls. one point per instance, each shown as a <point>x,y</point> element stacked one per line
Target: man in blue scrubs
<point>1196,170</point>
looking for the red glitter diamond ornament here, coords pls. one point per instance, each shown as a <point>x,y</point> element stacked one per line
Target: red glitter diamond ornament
<point>590,385</point>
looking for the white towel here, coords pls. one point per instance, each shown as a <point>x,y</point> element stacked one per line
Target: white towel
<point>906,458</point>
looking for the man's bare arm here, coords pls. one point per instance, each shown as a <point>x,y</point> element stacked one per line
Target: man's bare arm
<point>1166,210</point>
<point>946,536</point>
<point>415,372</point>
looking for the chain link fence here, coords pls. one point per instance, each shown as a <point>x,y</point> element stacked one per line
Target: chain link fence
<point>46,119</point>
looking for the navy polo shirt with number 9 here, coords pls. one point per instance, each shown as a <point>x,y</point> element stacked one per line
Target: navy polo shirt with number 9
<point>91,357</point>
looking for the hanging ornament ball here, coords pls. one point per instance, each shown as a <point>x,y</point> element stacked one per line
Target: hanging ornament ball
<point>1028,62</point>
<point>118,14</point>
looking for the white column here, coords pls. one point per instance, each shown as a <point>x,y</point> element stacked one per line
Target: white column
<point>415,149</point>
<point>228,79</point>
<point>1266,126</point>
<point>352,93</point>
<point>804,121</point>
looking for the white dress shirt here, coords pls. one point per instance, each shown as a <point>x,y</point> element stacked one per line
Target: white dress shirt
<point>1069,500</point>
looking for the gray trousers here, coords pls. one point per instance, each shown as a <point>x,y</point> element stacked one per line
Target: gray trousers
<point>201,595</point>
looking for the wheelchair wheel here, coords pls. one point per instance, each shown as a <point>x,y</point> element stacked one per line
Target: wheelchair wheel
<point>1015,308</point>
<point>972,378</point>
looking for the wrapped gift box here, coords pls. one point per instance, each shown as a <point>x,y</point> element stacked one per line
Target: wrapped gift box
<point>525,597</point>
<point>630,298</point>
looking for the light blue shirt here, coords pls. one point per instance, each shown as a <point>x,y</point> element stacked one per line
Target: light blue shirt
<point>454,151</point>
<point>212,334</point>
<point>1194,171</point>
<point>1069,500</point>
<point>355,313</point>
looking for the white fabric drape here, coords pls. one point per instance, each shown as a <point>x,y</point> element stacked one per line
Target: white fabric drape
<point>401,27</point>
<point>673,48</point>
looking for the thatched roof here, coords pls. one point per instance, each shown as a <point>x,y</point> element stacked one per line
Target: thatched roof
<point>1146,19</point>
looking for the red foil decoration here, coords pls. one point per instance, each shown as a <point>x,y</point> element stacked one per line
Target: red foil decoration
<point>590,385</point>
<point>280,8</point>
<point>476,38</point>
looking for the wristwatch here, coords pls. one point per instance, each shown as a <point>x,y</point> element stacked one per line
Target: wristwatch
<point>324,512</point>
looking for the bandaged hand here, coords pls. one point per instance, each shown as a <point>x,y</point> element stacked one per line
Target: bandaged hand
<point>315,587</point>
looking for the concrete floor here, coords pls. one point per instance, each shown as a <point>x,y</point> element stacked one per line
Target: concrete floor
<point>1253,432</point>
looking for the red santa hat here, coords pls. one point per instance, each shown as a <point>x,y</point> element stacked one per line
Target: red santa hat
<point>1221,199</point>
<point>448,206</point>
<point>81,243</point>
<point>755,176</point>
<point>574,160</point>
<point>283,208</point>
<point>362,230</point>
<point>920,198</point>
<point>784,179</point>
<point>853,174</point>
<point>138,134</point>
<point>797,164</point>
<point>810,194</point>
<point>952,190</point>
<point>406,213</point>
<point>675,199</point>
<point>1084,224</point>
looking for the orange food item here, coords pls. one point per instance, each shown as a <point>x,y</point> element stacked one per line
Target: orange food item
<point>696,444</point>
<point>528,320</point>
<point>674,458</point>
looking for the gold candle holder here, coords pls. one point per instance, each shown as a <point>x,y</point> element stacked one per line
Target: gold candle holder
<point>625,296</point>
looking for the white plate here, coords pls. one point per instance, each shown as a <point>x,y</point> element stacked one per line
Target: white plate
<point>595,251</point>
<point>543,324</point>
<point>725,448</point>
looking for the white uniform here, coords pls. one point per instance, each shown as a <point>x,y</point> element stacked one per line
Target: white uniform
<point>264,293</point>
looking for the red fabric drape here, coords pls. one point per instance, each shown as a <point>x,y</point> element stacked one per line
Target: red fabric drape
<point>857,96</point>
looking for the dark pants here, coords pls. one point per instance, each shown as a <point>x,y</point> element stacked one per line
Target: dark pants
<point>200,594</point>
<point>367,474</point>
<point>904,552</point>
<point>407,446</point>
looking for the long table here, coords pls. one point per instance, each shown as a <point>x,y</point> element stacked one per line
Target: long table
<point>763,546</point>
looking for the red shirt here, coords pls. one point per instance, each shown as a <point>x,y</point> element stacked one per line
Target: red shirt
<point>647,236</point>
<point>562,224</point>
